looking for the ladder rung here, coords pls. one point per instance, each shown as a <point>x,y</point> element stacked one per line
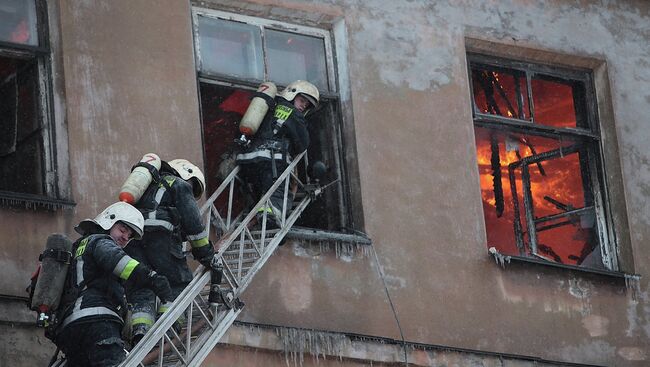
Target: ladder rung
<point>235,252</point>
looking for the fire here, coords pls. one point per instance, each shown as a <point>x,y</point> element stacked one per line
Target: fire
<point>555,184</point>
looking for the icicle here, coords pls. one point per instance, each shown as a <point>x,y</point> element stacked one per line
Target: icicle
<point>632,282</point>
<point>498,257</point>
<point>297,342</point>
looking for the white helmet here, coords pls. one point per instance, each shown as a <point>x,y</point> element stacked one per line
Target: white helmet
<point>118,212</point>
<point>186,170</point>
<point>306,89</point>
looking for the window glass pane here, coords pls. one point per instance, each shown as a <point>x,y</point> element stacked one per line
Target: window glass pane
<point>502,93</point>
<point>18,22</point>
<point>230,48</point>
<point>556,100</point>
<point>292,56</point>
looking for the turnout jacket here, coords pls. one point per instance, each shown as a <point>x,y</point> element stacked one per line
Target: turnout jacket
<point>94,289</point>
<point>169,205</point>
<point>283,133</point>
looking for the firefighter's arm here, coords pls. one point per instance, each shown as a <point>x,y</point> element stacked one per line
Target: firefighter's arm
<point>296,128</point>
<point>112,258</point>
<point>192,223</point>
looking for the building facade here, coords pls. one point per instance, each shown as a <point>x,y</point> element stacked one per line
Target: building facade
<point>494,153</point>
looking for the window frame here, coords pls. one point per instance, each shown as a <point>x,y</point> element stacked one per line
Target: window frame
<point>53,197</point>
<point>263,24</point>
<point>591,136</point>
<point>333,96</point>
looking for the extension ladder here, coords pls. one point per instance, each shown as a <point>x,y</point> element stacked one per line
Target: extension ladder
<point>243,253</point>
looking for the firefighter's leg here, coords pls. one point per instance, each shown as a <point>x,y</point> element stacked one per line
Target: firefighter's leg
<point>142,301</point>
<point>277,199</point>
<point>167,258</point>
<point>106,347</point>
<point>96,344</point>
<point>71,341</point>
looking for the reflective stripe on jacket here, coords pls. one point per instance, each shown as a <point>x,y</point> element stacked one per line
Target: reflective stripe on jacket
<point>172,208</point>
<point>99,266</point>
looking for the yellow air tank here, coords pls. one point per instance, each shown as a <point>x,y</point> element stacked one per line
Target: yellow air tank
<point>139,179</point>
<point>257,109</point>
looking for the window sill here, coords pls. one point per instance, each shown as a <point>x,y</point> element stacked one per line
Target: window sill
<point>502,260</point>
<point>10,199</point>
<point>310,234</point>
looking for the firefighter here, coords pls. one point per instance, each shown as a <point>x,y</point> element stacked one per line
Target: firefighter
<point>93,301</point>
<point>171,216</point>
<point>282,134</point>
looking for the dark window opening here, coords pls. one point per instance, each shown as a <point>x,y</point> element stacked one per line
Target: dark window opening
<point>27,172</point>
<point>223,107</point>
<point>21,144</point>
<point>539,186</point>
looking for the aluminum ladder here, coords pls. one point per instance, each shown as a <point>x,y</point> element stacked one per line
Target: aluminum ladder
<point>243,253</point>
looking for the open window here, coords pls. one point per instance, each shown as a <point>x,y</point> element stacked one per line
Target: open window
<point>26,149</point>
<point>234,54</point>
<point>540,165</point>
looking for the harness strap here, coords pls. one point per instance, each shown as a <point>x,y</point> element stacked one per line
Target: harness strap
<point>270,101</point>
<point>155,174</point>
<point>59,255</point>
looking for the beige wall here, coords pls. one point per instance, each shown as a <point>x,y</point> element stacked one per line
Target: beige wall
<point>130,88</point>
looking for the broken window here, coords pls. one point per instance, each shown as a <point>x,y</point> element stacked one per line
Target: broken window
<point>538,148</point>
<point>234,55</point>
<point>26,155</point>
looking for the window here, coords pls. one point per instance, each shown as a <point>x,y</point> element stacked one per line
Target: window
<point>26,152</point>
<point>539,158</point>
<point>234,54</point>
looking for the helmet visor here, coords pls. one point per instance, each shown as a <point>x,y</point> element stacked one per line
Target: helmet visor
<point>311,100</point>
<point>136,232</point>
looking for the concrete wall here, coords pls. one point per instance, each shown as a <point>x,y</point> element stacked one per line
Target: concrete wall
<point>130,88</point>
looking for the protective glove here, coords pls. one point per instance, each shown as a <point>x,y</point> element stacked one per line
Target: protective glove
<point>160,286</point>
<point>212,262</point>
<point>204,254</point>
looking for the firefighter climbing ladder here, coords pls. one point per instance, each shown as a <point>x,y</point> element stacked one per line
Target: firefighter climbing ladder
<point>243,253</point>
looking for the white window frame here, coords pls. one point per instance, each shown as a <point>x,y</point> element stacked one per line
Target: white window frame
<point>265,24</point>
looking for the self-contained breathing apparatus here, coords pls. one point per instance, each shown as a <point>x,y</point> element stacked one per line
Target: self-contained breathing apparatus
<point>53,289</point>
<point>48,281</point>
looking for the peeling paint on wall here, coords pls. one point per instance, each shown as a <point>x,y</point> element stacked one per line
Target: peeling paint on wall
<point>633,353</point>
<point>596,325</point>
<point>396,45</point>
